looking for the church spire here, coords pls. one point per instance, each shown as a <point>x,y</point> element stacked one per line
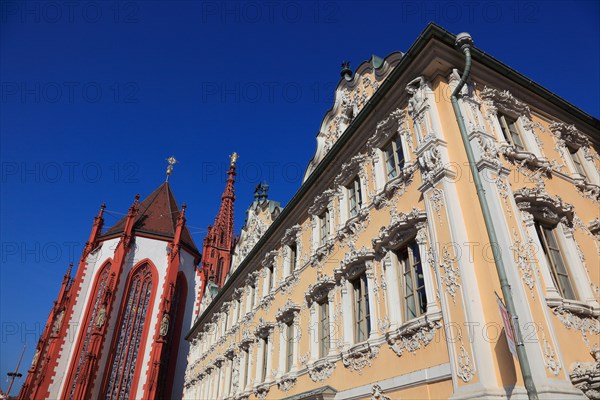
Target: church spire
<point>219,241</point>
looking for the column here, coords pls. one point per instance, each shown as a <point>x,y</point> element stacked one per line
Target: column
<point>372,299</point>
<point>259,360</point>
<point>348,321</point>
<point>314,332</point>
<point>393,291</point>
<point>421,239</point>
<point>282,342</point>
<point>296,341</point>
<point>332,326</point>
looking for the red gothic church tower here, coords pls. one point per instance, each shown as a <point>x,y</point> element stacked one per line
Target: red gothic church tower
<point>218,244</point>
<point>117,329</point>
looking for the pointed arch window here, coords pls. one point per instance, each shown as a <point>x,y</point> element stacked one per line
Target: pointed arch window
<point>94,308</point>
<point>129,334</point>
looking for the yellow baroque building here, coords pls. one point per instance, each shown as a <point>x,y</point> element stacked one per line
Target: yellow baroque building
<point>382,277</point>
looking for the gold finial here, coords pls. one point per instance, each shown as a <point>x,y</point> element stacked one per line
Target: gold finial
<point>234,158</point>
<point>172,161</point>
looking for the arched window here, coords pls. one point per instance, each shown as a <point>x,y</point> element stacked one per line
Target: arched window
<point>86,335</point>
<point>129,334</point>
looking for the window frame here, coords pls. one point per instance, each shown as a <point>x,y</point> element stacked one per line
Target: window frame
<point>407,267</point>
<point>506,122</point>
<point>361,312</point>
<point>324,334</point>
<point>289,346</point>
<point>555,263</point>
<point>392,151</point>
<point>354,195</point>
<point>324,226</point>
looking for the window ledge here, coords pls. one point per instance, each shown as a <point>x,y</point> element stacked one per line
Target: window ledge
<point>260,391</point>
<point>287,381</point>
<point>576,307</point>
<point>525,158</point>
<point>391,186</point>
<point>414,334</point>
<point>321,369</point>
<point>587,188</point>
<point>353,225</point>
<point>359,356</point>
<point>322,251</point>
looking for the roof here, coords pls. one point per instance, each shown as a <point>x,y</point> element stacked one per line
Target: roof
<point>157,215</point>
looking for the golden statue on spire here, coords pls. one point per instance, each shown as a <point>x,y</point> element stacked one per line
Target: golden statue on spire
<point>172,161</point>
<point>233,158</point>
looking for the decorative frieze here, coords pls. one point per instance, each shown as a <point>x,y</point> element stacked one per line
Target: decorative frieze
<point>539,203</point>
<point>359,357</point>
<point>354,262</point>
<point>569,135</point>
<point>286,382</point>
<point>377,393</point>
<point>586,375</point>
<point>522,257</point>
<point>321,202</point>
<point>415,335</point>
<point>502,100</point>
<point>320,370</point>
<point>466,370</point>
<point>585,325</point>
<point>288,312</point>
<point>401,228</point>
<point>320,289</point>
<point>550,357</point>
<point>289,283</point>
<point>261,391</point>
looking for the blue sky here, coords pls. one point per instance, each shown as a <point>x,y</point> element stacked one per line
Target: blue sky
<point>95,95</point>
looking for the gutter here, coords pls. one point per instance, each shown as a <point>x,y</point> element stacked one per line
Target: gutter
<point>464,41</point>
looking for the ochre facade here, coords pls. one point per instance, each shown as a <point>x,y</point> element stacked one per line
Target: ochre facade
<point>377,280</point>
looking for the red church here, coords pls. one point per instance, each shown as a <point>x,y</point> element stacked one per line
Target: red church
<point>116,330</point>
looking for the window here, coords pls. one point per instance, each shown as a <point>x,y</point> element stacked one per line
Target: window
<point>226,320</point>
<point>293,256</point>
<point>238,306</point>
<point>511,132</point>
<point>289,348</point>
<point>324,328</point>
<point>394,158</point>
<point>129,334</point>
<point>270,278</point>
<point>551,250</point>
<point>362,327</point>
<point>575,157</point>
<point>252,295</point>
<point>324,222</point>
<point>354,197</point>
<point>412,281</point>
<point>246,364</point>
<point>265,359</point>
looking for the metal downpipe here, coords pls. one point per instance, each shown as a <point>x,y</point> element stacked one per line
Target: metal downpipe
<point>464,41</point>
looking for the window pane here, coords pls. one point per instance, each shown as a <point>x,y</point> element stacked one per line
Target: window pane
<point>390,162</point>
<point>577,162</point>
<point>399,154</point>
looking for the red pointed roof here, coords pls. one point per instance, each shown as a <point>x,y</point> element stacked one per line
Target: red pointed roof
<point>157,215</point>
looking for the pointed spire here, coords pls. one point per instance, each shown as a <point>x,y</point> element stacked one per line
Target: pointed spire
<point>219,241</point>
<point>67,276</point>
<point>96,231</point>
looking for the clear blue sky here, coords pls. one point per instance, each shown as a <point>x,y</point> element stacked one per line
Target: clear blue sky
<point>95,96</point>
